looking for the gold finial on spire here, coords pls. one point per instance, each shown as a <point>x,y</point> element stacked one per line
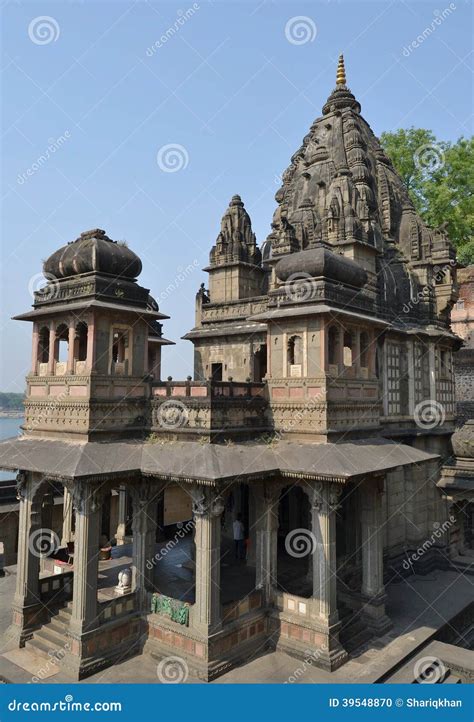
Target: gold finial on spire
<point>341,71</point>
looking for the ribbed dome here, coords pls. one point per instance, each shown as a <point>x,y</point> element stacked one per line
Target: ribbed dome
<point>93,251</point>
<point>321,262</point>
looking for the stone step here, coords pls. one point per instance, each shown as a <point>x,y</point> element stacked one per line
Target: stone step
<point>51,636</point>
<point>40,646</point>
<point>58,626</point>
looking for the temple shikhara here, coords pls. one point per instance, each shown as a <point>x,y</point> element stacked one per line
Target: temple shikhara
<point>320,414</point>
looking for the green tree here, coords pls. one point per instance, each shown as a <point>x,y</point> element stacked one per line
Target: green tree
<point>439,177</point>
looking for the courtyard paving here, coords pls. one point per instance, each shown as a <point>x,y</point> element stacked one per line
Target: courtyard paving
<point>418,607</point>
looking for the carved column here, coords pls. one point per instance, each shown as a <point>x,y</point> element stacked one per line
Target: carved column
<point>34,350</point>
<point>90,359</point>
<point>67,518</point>
<point>324,500</point>
<point>267,499</point>
<point>373,591</point>
<point>27,597</point>
<point>52,349</point>
<point>145,501</point>
<point>207,509</point>
<point>122,516</point>
<point>86,558</point>
<point>70,348</point>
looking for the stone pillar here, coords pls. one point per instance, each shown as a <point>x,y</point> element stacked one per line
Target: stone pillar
<point>90,359</point>
<point>145,501</point>
<point>432,366</point>
<point>70,349</point>
<point>67,518</point>
<point>52,349</point>
<point>252,547</point>
<point>122,516</point>
<point>27,597</point>
<point>373,591</point>
<point>324,615</point>
<point>267,500</point>
<point>323,526</point>
<point>208,506</point>
<point>34,350</point>
<point>86,559</point>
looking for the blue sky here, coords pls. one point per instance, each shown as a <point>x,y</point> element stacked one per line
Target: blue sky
<point>230,87</point>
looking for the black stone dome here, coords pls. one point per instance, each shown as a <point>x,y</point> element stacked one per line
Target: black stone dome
<point>93,251</point>
<point>321,262</point>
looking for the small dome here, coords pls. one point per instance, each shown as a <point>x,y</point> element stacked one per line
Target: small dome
<point>463,441</point>
<point>93,251</point>
<point>321,262</point>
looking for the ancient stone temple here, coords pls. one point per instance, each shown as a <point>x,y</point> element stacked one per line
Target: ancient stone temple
<point>320,412</point>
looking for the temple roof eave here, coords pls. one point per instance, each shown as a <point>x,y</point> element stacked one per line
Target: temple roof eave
<point>211,463</point>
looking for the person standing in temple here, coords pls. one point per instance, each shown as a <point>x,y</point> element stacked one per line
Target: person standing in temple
<point>239,537</point>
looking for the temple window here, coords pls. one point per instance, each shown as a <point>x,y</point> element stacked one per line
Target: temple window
<point>364,349</point>
<point>295,350</point>
<point>348,349</point>
<point>333,345</point>
<point>80,343</point>
<point>61,349</point>
<point>120,351</point>
<point>445,366</point>
<point>43,345</point>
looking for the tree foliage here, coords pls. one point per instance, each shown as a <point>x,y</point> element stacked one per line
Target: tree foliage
<point>439,177</point>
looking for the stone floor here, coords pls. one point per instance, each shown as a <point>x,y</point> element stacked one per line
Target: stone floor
<point>418,607</point>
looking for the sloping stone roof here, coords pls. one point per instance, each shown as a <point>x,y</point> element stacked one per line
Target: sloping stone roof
<point>207,463</point>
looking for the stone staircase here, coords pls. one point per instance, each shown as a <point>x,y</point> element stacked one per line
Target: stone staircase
<point>51,638</point>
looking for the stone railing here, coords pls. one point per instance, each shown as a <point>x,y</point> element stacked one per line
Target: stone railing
<point>110,609</point>
<point>233,310</point>
<point>57,586</point>
<point>234,610</point>
<point>213,408</point>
